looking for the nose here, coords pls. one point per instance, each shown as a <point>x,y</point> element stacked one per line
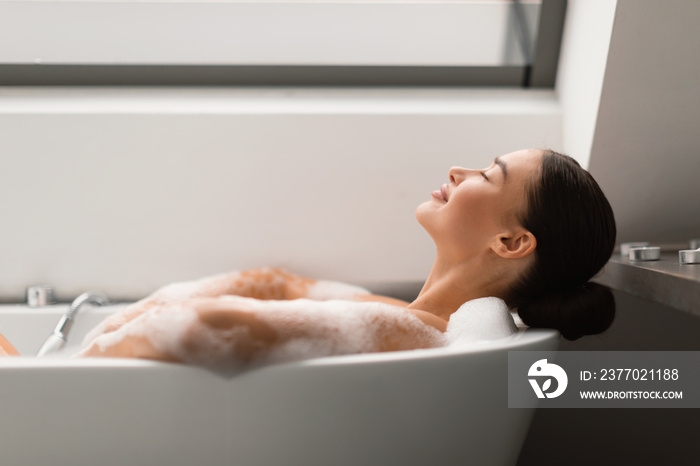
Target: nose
<point>457,175</point>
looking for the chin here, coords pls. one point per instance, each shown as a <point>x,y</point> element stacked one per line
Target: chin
<point>423,215</point>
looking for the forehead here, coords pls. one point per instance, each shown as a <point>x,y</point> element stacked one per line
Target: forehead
<point>523,164</point>
<point>526,156</point>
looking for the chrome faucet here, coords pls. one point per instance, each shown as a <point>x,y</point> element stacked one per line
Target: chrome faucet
<point>57,339</point>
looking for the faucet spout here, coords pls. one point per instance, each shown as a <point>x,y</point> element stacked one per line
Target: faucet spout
<point>57,340</point>
<point>90,297</point>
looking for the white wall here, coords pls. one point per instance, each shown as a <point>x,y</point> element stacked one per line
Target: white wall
<point>124,190</point>
<point>645,153</point>
<point>583,57</point>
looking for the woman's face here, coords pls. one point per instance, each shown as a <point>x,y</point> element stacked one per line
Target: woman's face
<point>477,206</point>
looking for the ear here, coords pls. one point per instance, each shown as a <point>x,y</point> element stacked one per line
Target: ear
<point>514,244</point>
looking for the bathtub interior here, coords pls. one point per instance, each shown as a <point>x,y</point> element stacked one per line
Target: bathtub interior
<point>27,328</point>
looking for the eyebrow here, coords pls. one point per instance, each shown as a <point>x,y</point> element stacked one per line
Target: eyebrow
<point>502,164</point>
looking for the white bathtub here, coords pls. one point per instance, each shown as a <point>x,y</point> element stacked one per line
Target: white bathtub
<point>446,406</point>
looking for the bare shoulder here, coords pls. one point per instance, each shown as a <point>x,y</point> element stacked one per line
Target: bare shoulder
<point>374,298</point>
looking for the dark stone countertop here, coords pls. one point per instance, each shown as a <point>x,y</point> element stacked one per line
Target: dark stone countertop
<point>664,281</point>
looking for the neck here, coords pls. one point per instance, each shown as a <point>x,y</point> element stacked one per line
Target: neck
<point>450,285</point>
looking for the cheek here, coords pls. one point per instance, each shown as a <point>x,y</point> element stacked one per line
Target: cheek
<point>508,210</point>
<point>465,218</point>
<point>461,222</point>
<point>468,206</point>
<point>469,216</point>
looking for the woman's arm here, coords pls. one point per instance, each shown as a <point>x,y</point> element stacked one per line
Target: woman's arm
<point>261,283</point>
<point>266,283</point>
<point>133,339</point>
<point>231,332</point>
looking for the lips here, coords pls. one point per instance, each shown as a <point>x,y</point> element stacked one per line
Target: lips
<point>443,191</point>
<point>441,194</point>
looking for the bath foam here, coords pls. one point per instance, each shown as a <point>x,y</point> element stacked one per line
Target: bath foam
<point>265,283</point>
<point>334,327</point>
<point>481,319</point>
<point>310,329</point>
<point>169,293</point>
<point>165,324</point>
<point>326,289</point>
<point>305,328</point>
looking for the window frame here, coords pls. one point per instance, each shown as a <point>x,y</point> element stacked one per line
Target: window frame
<point>75,62</point>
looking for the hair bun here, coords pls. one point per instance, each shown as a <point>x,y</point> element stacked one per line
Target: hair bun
<point>584,310</point>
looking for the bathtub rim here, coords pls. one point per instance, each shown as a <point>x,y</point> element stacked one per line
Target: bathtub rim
<point>524,337</point>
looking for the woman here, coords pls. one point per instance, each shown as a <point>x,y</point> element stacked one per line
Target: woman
<point>532,229</point>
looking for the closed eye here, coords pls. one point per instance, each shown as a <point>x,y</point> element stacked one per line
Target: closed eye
<point>484,175</point>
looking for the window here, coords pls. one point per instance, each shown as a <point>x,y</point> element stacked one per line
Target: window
<point>301,42</point>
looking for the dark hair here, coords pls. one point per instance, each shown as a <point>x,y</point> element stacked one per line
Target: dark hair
<point>574,227</point>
